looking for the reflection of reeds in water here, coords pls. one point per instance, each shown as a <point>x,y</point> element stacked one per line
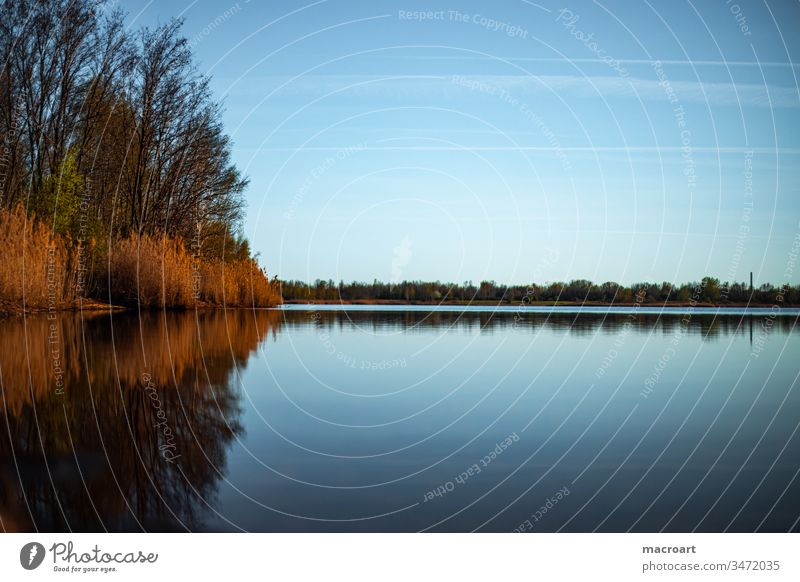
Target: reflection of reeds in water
<point>104,430</point>
<point>28,359</point>
<point>167,346</point>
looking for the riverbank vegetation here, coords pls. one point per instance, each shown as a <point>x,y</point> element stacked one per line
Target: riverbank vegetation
<point>708,291</point>
<point>116,180</point>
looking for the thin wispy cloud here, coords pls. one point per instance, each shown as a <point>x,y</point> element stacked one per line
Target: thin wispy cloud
<point>565,86</point>
<point>586,60</point>
<point>720,94</point>
<point>545,149</point>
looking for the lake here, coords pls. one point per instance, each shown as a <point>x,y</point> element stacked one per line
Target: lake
<point>319,418</point>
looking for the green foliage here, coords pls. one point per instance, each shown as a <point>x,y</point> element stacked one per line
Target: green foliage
<point>59,200</point>
<point>711,290</point>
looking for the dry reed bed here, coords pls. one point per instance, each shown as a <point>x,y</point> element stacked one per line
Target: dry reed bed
<point>40,271</point>
<point>37,266</point>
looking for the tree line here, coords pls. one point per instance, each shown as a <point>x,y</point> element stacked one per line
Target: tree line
<point>708,290</point>
<point>109,133</point>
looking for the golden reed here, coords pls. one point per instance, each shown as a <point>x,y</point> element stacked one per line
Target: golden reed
<point>40,271</point>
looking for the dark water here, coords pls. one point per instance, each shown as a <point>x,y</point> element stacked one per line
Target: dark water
<point>400,420</point>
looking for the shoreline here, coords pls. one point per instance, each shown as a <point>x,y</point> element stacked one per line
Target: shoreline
<point>482,303</point>
<point>8,309</point>
<point>94,306</point>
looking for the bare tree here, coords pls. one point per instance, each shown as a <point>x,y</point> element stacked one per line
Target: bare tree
<point>125,113</point>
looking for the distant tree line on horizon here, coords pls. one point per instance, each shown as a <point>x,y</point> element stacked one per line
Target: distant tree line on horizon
<point>708,290</point>
<point>110,133</point>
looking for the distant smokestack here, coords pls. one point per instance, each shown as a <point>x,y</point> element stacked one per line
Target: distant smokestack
<point>751,282</point>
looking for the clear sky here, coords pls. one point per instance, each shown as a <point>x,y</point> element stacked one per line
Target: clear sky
<point>509,140</point>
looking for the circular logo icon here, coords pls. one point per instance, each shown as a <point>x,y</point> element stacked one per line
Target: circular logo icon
<point>31,555</point>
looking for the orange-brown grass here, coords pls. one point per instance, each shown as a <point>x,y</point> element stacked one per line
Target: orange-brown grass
<point>160,272</point>
<point>151,272</point>
<point>39,270</point>
<point>36,270</point>
<point>237,283</point>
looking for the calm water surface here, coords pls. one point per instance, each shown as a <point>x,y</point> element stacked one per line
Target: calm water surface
<point>401,419</point>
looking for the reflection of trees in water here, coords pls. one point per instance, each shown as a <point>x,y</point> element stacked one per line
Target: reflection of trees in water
<point>708,326</point>
<point>89,459</point>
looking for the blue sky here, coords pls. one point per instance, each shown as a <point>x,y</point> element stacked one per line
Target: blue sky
<point>512,140</point>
